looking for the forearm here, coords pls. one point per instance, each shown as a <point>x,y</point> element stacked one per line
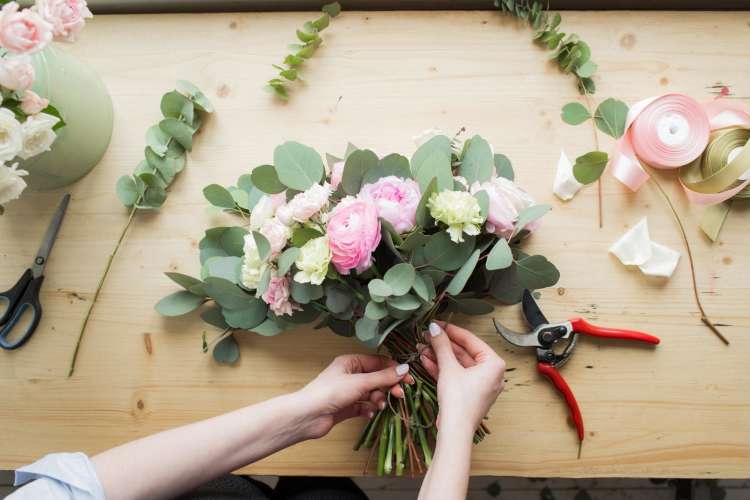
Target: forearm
<point>171,462</point>
<point>448,476</point>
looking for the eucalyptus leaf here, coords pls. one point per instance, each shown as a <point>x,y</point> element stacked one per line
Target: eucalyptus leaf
<point>173,103</point>
<point>503,166</point>
<point>214,317</point>
<point>505,286</point>
<point>529,215</point>
<point>610,117</point>
<point>157,140</point>
<point>458,282</point>
<point>338,299</point>
<point>226,293</point>
<point>433,160</point>
<point>262,244</point>
<point>226,351</point>
<point>424,287</point>
<point>286,260</point>
<point>446,255</point>
<point>475,307</point>
<point>218,196</point>
<point>414,240</point>
<point>483,199</point>
<point>366,328</point>
<point>265,178</point>
<point>252,314</point>
<point>357,164</point>
<point>298,166</point>
<point>477,161</point>
<point>500,256</point>
<point>127,190</point>
<point>333,9</point>
<point>424,219</point>
<point>268,328</point>
<point>183,280</point>
<point>375,311</point>
<point>399,278</point>
<point>587,69</point>
<point>245,183</point>
<point>304,293</point>
<point>303,234</point>
<point>232,240</point>
<point>196,95</point>
<point>228,268</point>
<point>404,302</point>
<point>380,288</point>
<point>574,113</point>
<point>589,167</point>
<point>535,271</point>
<point>178,303</point>
<point>393,164</point>
<point>179,131</point>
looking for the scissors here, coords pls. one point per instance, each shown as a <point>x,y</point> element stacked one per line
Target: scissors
<point>25,293</point>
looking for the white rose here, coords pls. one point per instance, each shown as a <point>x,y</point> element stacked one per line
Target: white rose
<point>252,267</point>
<point>11,183</point>
<point>308,203</point>
<point>277,235</point>
<point>11,135</point>
<point>312,261</point>
<point>265,209</point>
<point>38,135</point>
<point>16,73</point>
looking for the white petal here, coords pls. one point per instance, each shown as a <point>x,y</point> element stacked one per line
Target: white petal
<point>662,263</point>
<point>634,247</point>
<point>565,185</point>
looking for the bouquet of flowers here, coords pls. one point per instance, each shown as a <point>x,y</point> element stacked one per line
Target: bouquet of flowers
<point>27,121</point>
<point>372,247</point>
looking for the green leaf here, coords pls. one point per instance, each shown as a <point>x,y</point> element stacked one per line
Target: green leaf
<point>153,197</point>
<point>228,268</point>
<point>268,328</point>
<point>252,314</point>
<point>586,86</point>
<point>457,284</point>
<point>505,287</point>
<point>446,255</point>
<point>477,161</point>
<point>587,69</point>
<point>483,199</point>
<point>357,164</point>
<point>503,166</point>
<point>333,9</point>
<point>414,240</point>
<point>375,311</point>
<point>529,215</point>
<point>535,271</point>
<point>424,219</point>
<point>424,287</point>
<point>404,302</point>
<point>574,113</point>
<point>173,103</point>
<point>366,328</point>
<point>178,303</point>
<point>127,191</point>
<point>286,260</point>
<point>264,247</point>
<point>157,140</point>
<point>589,167</point>
<point>399,278</point>
<point>179,131</point>
<point>167,166</point>
<point>195,94</point>
<point>183,280</point>
<point>304,293</point>
<point>297,165</point>
<point>218,196</point>
<point>474,307</point>
<point>610,117</point>
<point>303,234</point>
<point>51,110</point>
<point>213,317</point>
<point>433,160</point>
<point>322,22</point>
<point>393,164</point>
<point>265,280</point>
<point>226,351</point>
<point>232,241</point>
<point>265,178</point>
<point>338,299</point>
<point>380,288</point>
<point>500,256</point>
<point>226,293</point>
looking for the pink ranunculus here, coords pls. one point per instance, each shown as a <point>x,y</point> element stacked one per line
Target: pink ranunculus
<point>506,201</point>
<point>67,17</point>
<point>32,103</point>
<point>396,200</point>
<point>16,73</point>
<point>277,296</point>
<point>23,32</point>
<point>353,234</point>
<point>337,172</point>
<point>277,235</point>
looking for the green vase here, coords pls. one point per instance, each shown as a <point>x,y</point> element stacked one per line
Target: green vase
<point>84,103</point>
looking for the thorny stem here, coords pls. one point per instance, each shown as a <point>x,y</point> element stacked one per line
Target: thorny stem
<point>590,107</point>
<point>704,318</point>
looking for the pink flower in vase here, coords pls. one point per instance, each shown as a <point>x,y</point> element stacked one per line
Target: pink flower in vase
<point>277,296</point>
<point>23,32</point>
<point>396,200</point>
<point>16,73</point>
<point>32,103</point>
<point>67,17</point>
<point>353,234</point>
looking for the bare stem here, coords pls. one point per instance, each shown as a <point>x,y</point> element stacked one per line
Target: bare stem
<point>590,107</point>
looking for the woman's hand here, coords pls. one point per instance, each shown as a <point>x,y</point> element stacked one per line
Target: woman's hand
<point>352,385</point>
<point>469,374</point>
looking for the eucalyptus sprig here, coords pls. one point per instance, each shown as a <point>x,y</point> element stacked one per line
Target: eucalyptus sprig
<point>572,54</point>
<point>167,144</point>
<point>310,39</point>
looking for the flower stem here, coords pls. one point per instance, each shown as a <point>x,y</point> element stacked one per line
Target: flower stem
<point>589,106</point>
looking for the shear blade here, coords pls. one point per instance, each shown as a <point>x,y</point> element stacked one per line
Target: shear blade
<point>531,311</point>
<point>516,338</point>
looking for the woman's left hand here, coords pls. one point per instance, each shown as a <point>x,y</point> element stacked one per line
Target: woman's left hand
<point>352,385</point>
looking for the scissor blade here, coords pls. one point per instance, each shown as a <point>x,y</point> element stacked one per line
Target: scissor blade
<point>49,237</point>
<point>515,338</point>
<point>531,311</point>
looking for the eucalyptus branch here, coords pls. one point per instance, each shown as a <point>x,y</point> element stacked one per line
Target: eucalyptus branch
<point>165,157</point>
<point>310,37</point>
<point>590,108</point>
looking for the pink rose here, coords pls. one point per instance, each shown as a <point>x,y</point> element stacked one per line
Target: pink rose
<point>16,73</point>
<point>396,200</point>
<point>337,172</point>
<point>306,204</point>
<point>67,17</point>
<point>353,234</point>
<point>277,235</point>
<point>265,209</point>
<point>32,104</point>
<point>506,200</point>
<point>277,296</point>
<point>23,32</point>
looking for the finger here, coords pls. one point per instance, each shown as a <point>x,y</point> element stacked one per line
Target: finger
<point>380,379</point>
<point>430,365</point>
<point>398,391</point>
<point>463,357</point>
<point>476,347</point>
<point>441,344</point>
<point>356,410</point>
<point>378,399</point>
<point>364,363</point>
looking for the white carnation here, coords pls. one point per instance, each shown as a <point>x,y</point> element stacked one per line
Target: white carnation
<point>253,266</point>
<point>11,183</point>
<point>459,210</point>
<point>11,135</point>
<point>312,261</point>
<point>38,135</point>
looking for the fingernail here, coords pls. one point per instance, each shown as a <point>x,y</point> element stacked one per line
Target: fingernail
<point>371,414</point>
<point>402,369</point>
<point>435,329</point>
<point>381,405</point>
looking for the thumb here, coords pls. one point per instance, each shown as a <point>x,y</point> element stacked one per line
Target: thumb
<point>441,344</point>
<point>386,377</point>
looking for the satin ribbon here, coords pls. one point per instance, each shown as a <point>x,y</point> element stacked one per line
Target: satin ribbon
<point>675,131</point>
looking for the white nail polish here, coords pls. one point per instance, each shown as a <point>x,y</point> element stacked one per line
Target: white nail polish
<point>381,405</point>
<point>435,329</point>
<point>371,414</point>
<point>402,369</point>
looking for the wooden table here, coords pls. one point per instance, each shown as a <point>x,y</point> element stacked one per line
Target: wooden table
<point>681,410</point>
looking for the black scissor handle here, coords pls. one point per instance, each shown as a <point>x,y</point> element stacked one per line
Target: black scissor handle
<point>28,300</point>
<point>13,296</point>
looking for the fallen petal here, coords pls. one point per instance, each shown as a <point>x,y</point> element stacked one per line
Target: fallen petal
<point>565,185</point>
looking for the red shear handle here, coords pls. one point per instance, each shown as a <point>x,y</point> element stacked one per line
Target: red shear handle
<point>561,385</point>
<point>580,325</point>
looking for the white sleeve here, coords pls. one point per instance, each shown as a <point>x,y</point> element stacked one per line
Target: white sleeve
<point>59,476</point>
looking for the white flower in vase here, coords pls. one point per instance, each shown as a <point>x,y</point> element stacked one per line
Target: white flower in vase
<point>11,135</point>
<point>38,135</point>
<point>11,183</point>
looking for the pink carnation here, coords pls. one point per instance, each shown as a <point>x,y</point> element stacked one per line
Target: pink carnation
<point>396,200</point>
<point>353,235</point>
<point>277,296</point>
<point>67,17</point>
<point>23,32</point>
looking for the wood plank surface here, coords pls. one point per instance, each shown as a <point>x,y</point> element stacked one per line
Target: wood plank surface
<point>680,410</point>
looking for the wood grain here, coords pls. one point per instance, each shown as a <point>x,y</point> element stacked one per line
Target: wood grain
<point>680,410</point>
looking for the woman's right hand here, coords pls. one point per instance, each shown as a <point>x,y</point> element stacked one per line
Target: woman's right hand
<point>470,375</point>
